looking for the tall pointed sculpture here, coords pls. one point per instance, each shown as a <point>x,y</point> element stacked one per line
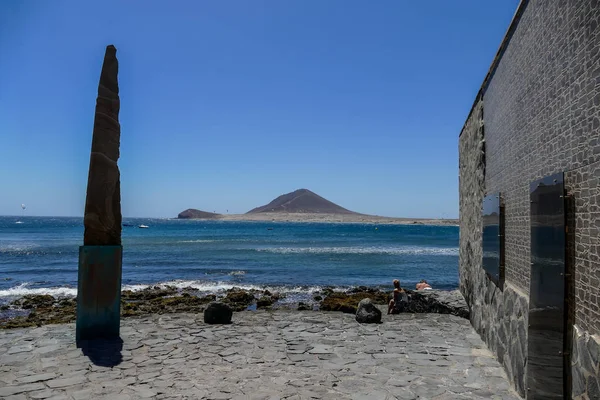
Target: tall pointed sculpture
<point>100,257</point>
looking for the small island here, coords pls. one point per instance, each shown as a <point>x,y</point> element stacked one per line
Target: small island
<point>192,213</point>
<point>303,205</point>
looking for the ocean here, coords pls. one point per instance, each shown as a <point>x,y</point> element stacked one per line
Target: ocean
<point>40,255</point>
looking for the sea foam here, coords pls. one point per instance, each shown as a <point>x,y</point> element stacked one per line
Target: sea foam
<point>24,289</point>
<point>412,250</point>
<point>202,286</point>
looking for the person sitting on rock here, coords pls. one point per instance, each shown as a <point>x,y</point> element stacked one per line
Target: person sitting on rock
<point>423,285</point>
<point>395,302</point>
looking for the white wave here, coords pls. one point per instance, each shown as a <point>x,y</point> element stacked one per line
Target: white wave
<point>24,289</point>
<point>197,241</point>
<point>215,287</point>
<point>18,248</point>
<point>236,273</point>
<point>202,286</point>
<point>215,240</point>
<point>412,250</point>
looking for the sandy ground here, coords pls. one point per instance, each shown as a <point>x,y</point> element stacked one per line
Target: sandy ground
<point>334,218</point>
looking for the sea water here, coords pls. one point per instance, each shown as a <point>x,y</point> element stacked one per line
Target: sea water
<point>40,255</point>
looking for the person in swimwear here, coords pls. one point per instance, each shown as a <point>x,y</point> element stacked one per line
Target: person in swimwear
<point>397,299</point>
<point>423,285</point>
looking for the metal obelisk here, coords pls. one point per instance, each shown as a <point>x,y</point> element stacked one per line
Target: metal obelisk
<point>100,257</point>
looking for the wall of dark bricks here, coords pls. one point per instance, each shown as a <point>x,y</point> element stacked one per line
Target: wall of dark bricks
<point>538,114</point>
<point>499,316</point>
<point>542,116</point>
<point>583,188</point>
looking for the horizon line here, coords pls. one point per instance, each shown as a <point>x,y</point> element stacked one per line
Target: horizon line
<point>82,216</point>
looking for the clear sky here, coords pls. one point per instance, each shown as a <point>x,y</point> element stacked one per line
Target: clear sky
<point>228,104</point>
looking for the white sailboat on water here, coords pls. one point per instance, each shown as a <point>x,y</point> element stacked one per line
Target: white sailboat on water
<point>23,207</point>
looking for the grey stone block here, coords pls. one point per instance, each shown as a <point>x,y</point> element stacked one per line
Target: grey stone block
<point>593,390</point>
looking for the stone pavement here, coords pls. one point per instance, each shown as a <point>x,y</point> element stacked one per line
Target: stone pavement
<point>261,355</point>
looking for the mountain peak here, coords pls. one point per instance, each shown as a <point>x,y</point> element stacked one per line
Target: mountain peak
<point>301,201</point>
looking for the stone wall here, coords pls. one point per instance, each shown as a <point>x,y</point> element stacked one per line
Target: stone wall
<point>500,317</point>
<point>585,367</point>
<point>542,111</point>
<point>538,113</point>
<point>471,188</point>
<point>583,188</point>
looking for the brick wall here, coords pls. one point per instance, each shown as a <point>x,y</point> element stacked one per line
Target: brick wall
<point>583,186</point>
<point>538,113</point>
<point>499,316</point>
<point>542,115</point>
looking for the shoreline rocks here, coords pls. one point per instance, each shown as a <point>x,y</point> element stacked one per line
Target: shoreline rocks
<point>37,310</point>
<point>367,312</point>
<point>239,299</point>
<point>348,302</point>
<point>437,301</point>
<point>217,313</point>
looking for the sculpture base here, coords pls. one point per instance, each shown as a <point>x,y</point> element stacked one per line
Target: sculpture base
<point>99,292</point>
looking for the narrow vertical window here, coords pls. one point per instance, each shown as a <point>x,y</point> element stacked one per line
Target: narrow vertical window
<point>493,238</point>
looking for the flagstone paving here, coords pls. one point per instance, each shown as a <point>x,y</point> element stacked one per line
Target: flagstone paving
<point>261,355</point>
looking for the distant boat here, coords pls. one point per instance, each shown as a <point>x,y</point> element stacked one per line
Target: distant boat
<point>23,207</point>
<point>143,226</point>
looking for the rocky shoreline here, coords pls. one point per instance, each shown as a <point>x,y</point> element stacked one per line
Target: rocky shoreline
<point>37,310</point>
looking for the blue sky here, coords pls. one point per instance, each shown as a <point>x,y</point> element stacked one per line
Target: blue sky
<point>228,104</point>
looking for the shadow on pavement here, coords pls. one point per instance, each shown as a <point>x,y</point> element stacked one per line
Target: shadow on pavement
<point>102,352</point>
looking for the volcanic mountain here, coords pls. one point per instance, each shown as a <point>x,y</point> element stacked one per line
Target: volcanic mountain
<point>301,201</point>
<point>192,213</point>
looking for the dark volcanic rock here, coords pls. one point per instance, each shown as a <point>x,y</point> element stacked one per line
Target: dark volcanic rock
<point>45,309</point>
<point>303,307</point>
<point>166,304</point>
<point>102,218</point>
<point>367,312</point>
<point>239,299</point>
<point>218,313</point>
<point>301,201</point>
<point>192,213</point>
<point>348,302</point>
<point>437,301</point>
<point>423,301</point>
<point>148,293</point>
<point>264,302</point>
<point>32,301</point>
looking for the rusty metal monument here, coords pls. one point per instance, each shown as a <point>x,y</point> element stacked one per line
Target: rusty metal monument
<point>100,257</point>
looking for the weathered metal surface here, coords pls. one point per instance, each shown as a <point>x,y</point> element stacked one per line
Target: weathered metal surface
<point>545,336</point>
<point>99,292</point>
<point>102,218</point>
